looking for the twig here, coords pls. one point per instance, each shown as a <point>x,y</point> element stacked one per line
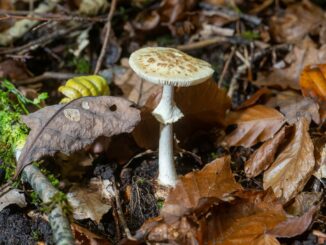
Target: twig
<point>106,38</point>
<point>226,67</point>
<point>60,225</point>
<point>9,14</point>
<point>38,42</point>
<point>212,41</point>
<point>226,11</point>
<point>119,211</point>
<point>47,75</point>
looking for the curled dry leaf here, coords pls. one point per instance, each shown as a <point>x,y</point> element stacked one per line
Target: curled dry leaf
<point>198,190</point>
<point>13,196</point>
<point>243,222</point>
<point>294,106</point>
<point>313,83</point>
<point>264,156</point>
<point>254,98</point>
<point>298,20</point>
<point>303,210</point>
<point>73,126</point>
<point>88,202</point>
<point>294,166</point>
<point>255,124</point>
<point>303,54</point>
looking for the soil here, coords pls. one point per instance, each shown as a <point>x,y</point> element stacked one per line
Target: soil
<point>16,228</point>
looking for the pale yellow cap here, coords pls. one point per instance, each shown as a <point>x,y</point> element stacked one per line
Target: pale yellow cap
<point>169,66</point>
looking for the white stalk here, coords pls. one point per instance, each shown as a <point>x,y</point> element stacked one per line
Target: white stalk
<point>167,173</point>
<point>167,113</point>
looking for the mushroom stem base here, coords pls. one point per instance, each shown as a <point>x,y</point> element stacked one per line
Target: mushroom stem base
<point>167,173</point>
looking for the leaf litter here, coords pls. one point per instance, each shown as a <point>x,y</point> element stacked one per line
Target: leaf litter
<point>277,133</point>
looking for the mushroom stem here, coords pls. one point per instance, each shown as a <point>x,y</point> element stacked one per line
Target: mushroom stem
<point>167,173</point>
<point>167,113</point>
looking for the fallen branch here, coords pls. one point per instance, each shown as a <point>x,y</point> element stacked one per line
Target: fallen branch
<point>59,223</point>
<point>47,75</point>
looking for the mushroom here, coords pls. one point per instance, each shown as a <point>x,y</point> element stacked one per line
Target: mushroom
<point>168,67</point>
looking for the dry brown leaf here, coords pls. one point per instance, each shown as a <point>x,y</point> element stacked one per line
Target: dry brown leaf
<point>73,126</point>
<point>198,190</point>
<point>254,98</point>
<point>303,54</point>
<point>294,106</point>
<point>243,222</point>
<point>320,156</point>
<point>264,156</point>
<point>204,107</point>
<point>255,124</point>
<point>14,70</point>
<point>298,20</point>
<point>313,83</point>
<point>302,211</point>
<point>86,237</point>
<point>88,202</point>
<point>146,20</point>
<point>294,166</point>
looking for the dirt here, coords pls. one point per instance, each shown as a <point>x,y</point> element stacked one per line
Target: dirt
<point>17,228</point>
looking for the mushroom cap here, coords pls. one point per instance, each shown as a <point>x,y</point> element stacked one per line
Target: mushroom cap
<point>169,66</point>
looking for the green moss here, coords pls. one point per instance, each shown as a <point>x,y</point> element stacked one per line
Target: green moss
<point>82,65</point>
<point>250,35</point>
<point>59,199</point>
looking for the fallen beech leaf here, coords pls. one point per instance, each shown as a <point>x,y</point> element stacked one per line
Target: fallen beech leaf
<point>294,166</point>
<point>294,106</point>
<point>305,208</point>
<point>13,196</point>
<point>255,124</point>
<point>87,202</point>
<point>264,156</point>
<point>14,70</point>
<point>146,20</point>
<point>204,107</point>
<point>298,20</point>
<point>73,126</point>
<point>320,156</point>
<point>303,54</point>
<point>313,82</point>
<point>243,222</point>
<point>86,237</point>
<point>254,98</point>
<point>200,189</point>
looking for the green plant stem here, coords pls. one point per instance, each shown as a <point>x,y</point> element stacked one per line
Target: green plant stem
<point>59,222</point>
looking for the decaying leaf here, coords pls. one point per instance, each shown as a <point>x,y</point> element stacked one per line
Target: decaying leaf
<point>294,106</point>
<point>303,54</point>
<point>13,196</point>
<point>264,156</point>
<point>301,212</point>
<point>14,70</point>
<point>198,190</point>
<point>294,166</point>
<point>255,124</point>
<point>320,156</point>
<point>86,237</point>
<point>88,202</point>
<point>73,126</point>
<point>243,222</point>
<point>298,20</point>
<point>254,98</point>
<point>313,82</point>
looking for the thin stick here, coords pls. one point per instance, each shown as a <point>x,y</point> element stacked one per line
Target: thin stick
<point>120,213</point>
<point>47,75</point>
<point>226,67</point>
<point>106,38</point>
